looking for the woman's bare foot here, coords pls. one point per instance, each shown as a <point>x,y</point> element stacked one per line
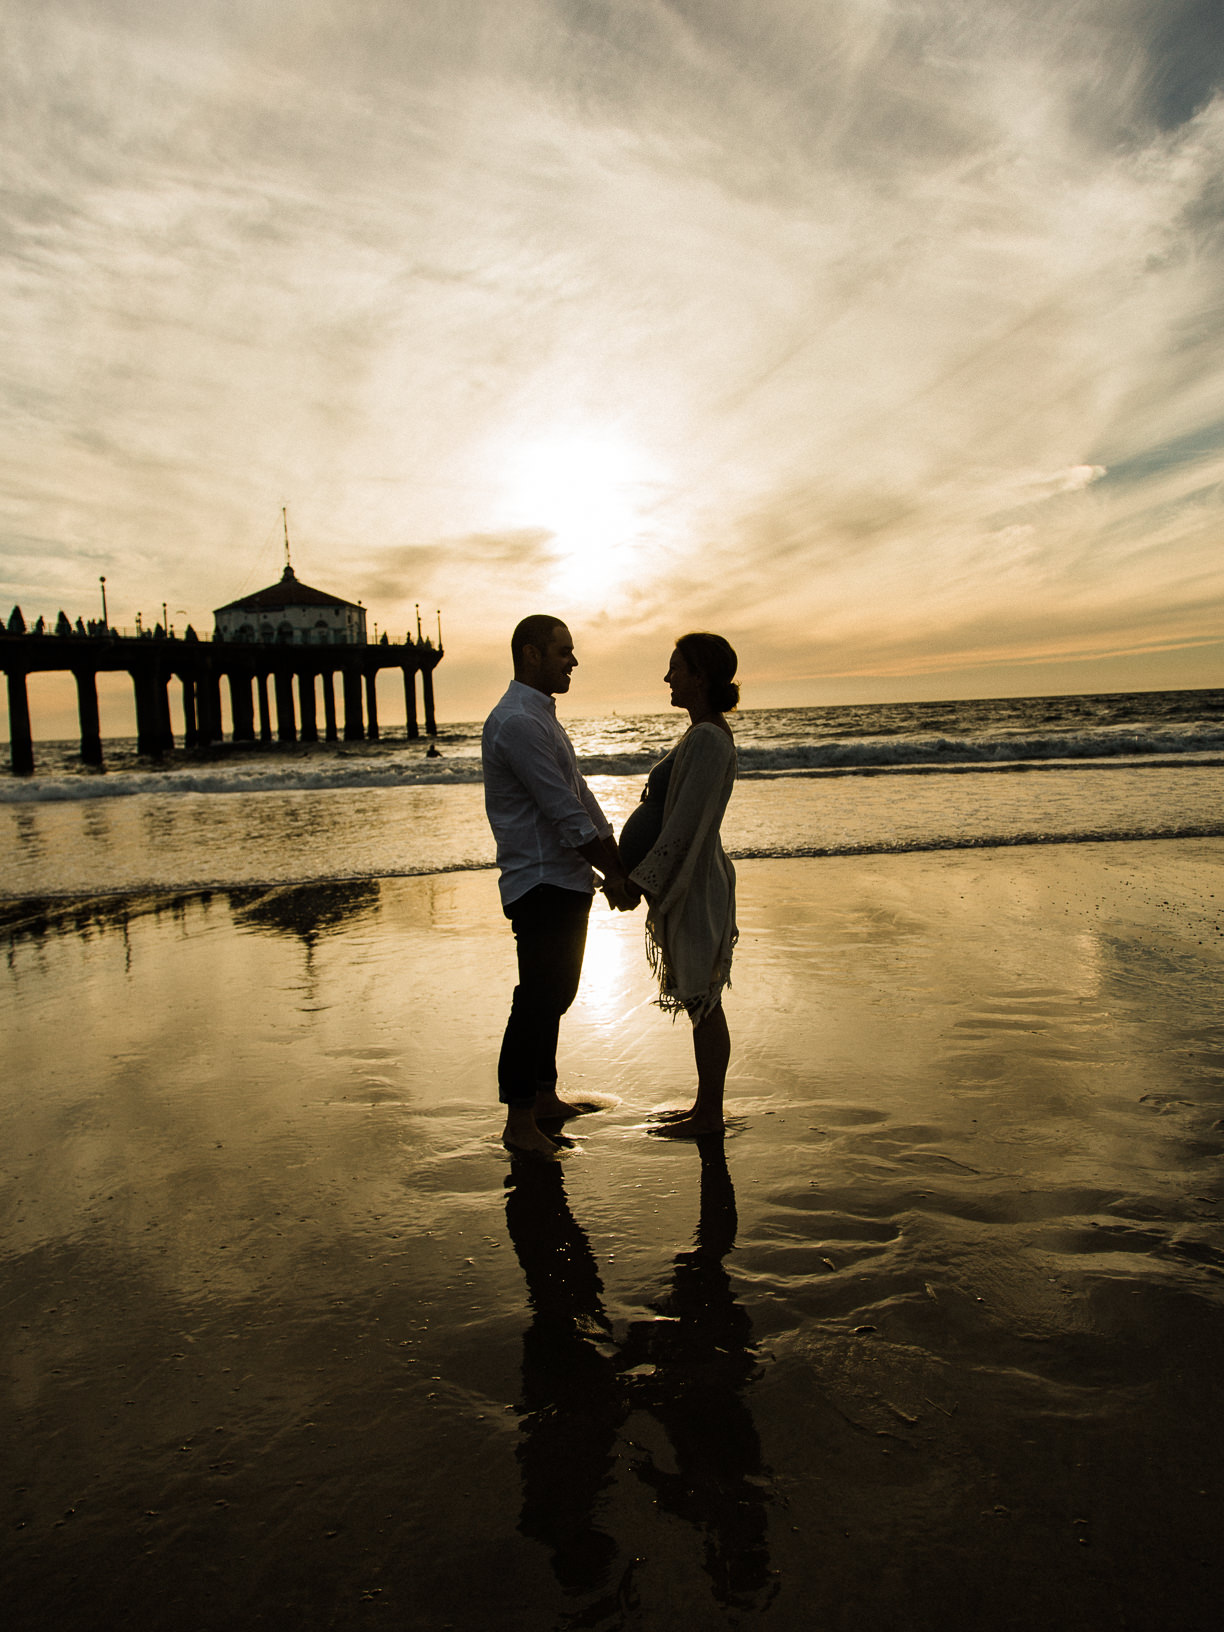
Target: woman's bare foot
<point>523,1137</point>
<point>672,1116</point>
<point>690,1126</point>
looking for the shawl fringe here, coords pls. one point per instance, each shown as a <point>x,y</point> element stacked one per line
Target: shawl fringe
<point>698,1004</point>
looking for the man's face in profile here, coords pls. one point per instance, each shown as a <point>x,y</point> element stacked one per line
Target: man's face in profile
<point>557,662</point>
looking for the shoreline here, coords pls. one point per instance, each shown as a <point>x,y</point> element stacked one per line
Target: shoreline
<point>14,909</point>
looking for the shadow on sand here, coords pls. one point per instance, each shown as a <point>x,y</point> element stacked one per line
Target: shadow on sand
<point>688,1369</point>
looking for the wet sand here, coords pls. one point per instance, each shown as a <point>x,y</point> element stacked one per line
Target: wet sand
<point>931,1340</point>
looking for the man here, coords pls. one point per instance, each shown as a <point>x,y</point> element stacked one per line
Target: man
<point>551,836</point>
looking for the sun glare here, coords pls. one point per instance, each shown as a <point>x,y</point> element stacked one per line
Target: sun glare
<point>590,491</point>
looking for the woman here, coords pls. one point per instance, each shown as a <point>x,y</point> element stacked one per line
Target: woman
<point>672,851</point>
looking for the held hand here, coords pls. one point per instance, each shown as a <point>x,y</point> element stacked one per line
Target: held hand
<point>622,896</point>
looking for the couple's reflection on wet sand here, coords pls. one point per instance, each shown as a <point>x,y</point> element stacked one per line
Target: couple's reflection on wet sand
<point>687,1368</point>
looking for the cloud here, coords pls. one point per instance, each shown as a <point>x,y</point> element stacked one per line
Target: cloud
<point>913,310</point>
<point>1075,479</point>
<point>490,562</point>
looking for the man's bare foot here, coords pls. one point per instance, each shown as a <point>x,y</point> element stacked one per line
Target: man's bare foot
<point>691,1127</point>
<point>550,1108</point>
<point>523,1137</point>
<point>672,1116</point>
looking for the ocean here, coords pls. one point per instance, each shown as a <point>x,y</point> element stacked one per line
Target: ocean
<point>813,781</point>
<point>931,1337</point>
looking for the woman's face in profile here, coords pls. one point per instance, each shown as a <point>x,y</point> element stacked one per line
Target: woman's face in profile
<point>688,689</point>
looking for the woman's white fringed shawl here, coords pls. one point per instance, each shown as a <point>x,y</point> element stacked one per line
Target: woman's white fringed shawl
<point>688,880</point>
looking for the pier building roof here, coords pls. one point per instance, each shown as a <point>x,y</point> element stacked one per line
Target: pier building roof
<point>290,591</point>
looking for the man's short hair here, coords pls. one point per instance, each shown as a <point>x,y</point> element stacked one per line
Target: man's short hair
<point>537,631</point>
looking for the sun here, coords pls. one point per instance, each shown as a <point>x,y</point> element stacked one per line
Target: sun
<point>591,491</point>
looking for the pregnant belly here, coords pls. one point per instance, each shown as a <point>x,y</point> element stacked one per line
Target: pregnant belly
<point>639,833</point>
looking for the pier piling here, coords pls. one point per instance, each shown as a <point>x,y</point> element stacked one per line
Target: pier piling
<point>354,728</point>
<point>191,731</point>
<point>21,743</point>
<point>242,709</point>
<point>329,705</point>
<point>144,686</point>
<point>209,709</point>
<point>371,691</point>
<point>306,701</point>
<point>265,713</point>
<point>286,719</point>
<point>87,714</point>
<point>165,729</point>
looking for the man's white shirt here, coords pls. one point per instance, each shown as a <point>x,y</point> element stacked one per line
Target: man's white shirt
<point>538,805</point>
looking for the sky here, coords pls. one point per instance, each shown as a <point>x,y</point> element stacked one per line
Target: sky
<point>880,336</point>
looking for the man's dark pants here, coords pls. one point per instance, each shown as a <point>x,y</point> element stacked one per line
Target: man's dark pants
<point>550,928</point>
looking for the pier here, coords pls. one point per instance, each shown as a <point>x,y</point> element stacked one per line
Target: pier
<point>272,689</point>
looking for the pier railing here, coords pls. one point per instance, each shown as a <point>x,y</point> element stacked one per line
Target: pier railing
<point>272,688</point>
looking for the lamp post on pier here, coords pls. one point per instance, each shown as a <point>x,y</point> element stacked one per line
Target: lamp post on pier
<point>105,622</point>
